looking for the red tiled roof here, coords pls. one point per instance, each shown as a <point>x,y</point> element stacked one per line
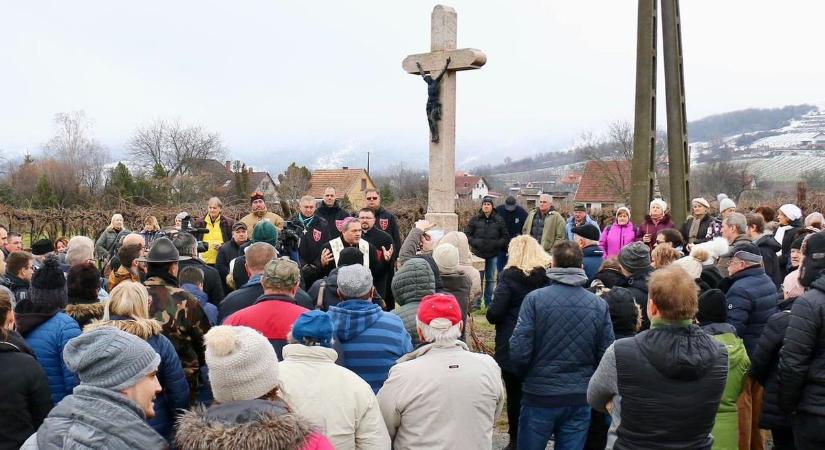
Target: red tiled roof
<point>465,183</point>
<point>571,178</point>
<point>341,179</point>
<point>605,181</point>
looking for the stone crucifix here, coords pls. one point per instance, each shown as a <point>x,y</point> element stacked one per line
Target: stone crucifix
<point>438,68</point>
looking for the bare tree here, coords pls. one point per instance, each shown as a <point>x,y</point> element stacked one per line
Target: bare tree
<point>723,176</point>
<point>404,181</point>
<point>172,146</point>
<point>74,145</point>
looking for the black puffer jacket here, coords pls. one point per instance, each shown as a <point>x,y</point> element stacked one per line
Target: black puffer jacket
<point>25,399</point>
<point>765,363</point>
<point>768,248</point>
<point>802,357</point>
<point>334,216</point>
<point>637,285</point>
<point>503,311</point>
<point>487,235</point>
<point>703,234</point>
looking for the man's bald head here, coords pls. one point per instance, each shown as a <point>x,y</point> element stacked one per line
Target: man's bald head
<point>257,255</point>
<point>133,239</point>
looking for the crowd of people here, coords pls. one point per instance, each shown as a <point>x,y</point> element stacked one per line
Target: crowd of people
<point>328,330</point>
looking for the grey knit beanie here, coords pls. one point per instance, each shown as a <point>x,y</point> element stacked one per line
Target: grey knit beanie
<point>354,281</point>
<point>635,257</point>
<point>109,358</point>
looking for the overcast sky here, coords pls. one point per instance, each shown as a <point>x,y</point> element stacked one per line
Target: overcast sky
<point>321,82</point>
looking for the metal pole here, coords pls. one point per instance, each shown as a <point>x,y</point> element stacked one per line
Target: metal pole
<point>644,132</point>
<point>677,144</point>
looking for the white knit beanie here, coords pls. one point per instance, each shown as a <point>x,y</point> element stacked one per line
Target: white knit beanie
<point>242,363</point>
<point>726,203</point>
<point>446,256</point>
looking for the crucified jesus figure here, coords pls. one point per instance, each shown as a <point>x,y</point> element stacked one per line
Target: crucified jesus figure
<point>433,96</point>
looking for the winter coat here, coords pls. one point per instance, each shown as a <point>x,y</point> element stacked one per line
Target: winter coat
<point>413,281</point>
<point>751,299</point>
<point>593,257</point>
<point>47,335</point>
<point>688,369</point>
<point>25,399</point>
<point>726,428</point>
<point>561,334</point>
<point>371,340</point>
<point>554,228</point>
<point>513,220</point>
<point>513,285</point>
<point>768,248</point>
<point>85,313</point>
<point>106,242</point>
<point>248,424</point>
<point>465,263</point>
<point>766,366</point>
<point>802,357</point>
<point>19,288</point>
<point>329,297</point>
<point>95,418</point>
<point>184,322</point>
<point>648,226</point>
<point>615,237</point>
<point>442,396</point>
<point>228,251</point>
<point>637,285</point>
<point>334,215</point>
<point>225,222</point>
<point>411,246</point>
<point>458,285</point>
<point>487,235</point>
<point>203,299</point>
<point>174,398</point>
<point>272,315</point>
<point>705,232</point>
<point>624,312</point>
<point>388,223</point>
<point>120,275</point>
<point>568,227</point>
<point>313,238</point>
<point>328,394</point>
<point>788,236</point>
<point>211,279</point>
<point>251,220</point>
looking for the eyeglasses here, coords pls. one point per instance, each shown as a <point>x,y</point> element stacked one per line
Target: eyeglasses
<point>372,198</point>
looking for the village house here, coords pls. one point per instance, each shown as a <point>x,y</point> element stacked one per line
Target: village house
<point>469,186</point>
<point>604,184</point>
<point>349,183</point>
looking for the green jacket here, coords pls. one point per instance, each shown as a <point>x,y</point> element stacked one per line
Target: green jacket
<point>554,229</point>
<point>726,429</point>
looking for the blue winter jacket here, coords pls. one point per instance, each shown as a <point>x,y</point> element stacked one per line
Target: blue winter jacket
<point>587,219</point>
<point>560,337</point>
<point>208,308</point>
<point>370,339</point>
<point>174,398</point>
<point>593,259</point>
<point>751,300</point>
<point>47,340</point>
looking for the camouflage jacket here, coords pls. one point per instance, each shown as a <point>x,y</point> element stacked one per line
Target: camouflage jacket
<point>183,322</point>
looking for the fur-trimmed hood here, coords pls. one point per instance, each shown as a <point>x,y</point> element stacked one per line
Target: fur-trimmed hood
<point>243,425</point>
<point>142,328</point>
<point>84,313</point>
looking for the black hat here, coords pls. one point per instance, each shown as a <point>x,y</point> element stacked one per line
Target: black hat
<point>510,203</point>
<point>624,312</point>
<point>747,252</point>
<point>587,231</point>
<point>487,199</point>
<point>163,251</point>
<point>42,247</point>
<point>813,265</point>
<point>238,225</point>
<point>350,256</point>
<point>712,307</point>
<point>49,276</point>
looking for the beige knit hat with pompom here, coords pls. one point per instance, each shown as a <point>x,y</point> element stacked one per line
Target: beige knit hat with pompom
<point>242,363</point>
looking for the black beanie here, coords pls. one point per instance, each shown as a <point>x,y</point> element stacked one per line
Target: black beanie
<point>350,256</point>
<point>624,312</point>
<point>712,307</point>
<point>48,289</point>
<point>49,276</point>
<point>813,264</point>
<point>42,247</point>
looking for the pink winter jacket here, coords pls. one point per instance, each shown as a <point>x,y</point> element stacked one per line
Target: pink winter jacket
<point>616,236</point>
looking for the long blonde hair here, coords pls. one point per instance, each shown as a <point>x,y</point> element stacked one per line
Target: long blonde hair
<point>129,299</point>
<point>526,253</point>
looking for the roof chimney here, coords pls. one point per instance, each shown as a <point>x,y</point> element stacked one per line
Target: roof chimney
<point>228,166</point>
<point>346,167</point>
<point>249,169</point>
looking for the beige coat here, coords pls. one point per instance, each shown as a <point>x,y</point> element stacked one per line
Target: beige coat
<point>251,220</point>
<point>442,396</point>
<point>335,399</point>
<point>459,240</point>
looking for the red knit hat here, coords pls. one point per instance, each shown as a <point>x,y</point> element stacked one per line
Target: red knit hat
<point>436,306</point>
<point>257,195</point>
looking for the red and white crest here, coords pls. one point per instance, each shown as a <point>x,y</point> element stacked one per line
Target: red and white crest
<point>340,225</point>
<point>384,223</point>
<point>316,234</point>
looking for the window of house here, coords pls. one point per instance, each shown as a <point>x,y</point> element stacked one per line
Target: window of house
<point>466,184</point>
<point>363,184</point>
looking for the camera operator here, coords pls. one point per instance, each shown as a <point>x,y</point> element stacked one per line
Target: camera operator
<point>313,237</point>
<point>187,245</point>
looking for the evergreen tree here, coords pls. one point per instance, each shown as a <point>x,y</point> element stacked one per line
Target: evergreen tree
<point>44,196</point>
<point>121,183</point>
<point>387,196</point>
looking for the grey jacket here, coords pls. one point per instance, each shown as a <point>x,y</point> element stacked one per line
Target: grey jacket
<point>96,418</point>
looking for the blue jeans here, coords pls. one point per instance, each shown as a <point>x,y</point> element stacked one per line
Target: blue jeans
<point>501,261</point>
<point>489,278</point>
<point>568,423</point>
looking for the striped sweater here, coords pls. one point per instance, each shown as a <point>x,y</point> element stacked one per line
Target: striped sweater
<point>370,339</point>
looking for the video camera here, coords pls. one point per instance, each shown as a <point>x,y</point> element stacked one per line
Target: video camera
<point>186,226</point>
<point>290,237</point>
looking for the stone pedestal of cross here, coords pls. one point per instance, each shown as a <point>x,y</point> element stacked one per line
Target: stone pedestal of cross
<point>441,197</point>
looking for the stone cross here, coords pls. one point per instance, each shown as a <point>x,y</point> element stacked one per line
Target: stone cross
<point>443,32</point>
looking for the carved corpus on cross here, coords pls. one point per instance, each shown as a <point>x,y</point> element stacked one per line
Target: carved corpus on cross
<point>443,32</point>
